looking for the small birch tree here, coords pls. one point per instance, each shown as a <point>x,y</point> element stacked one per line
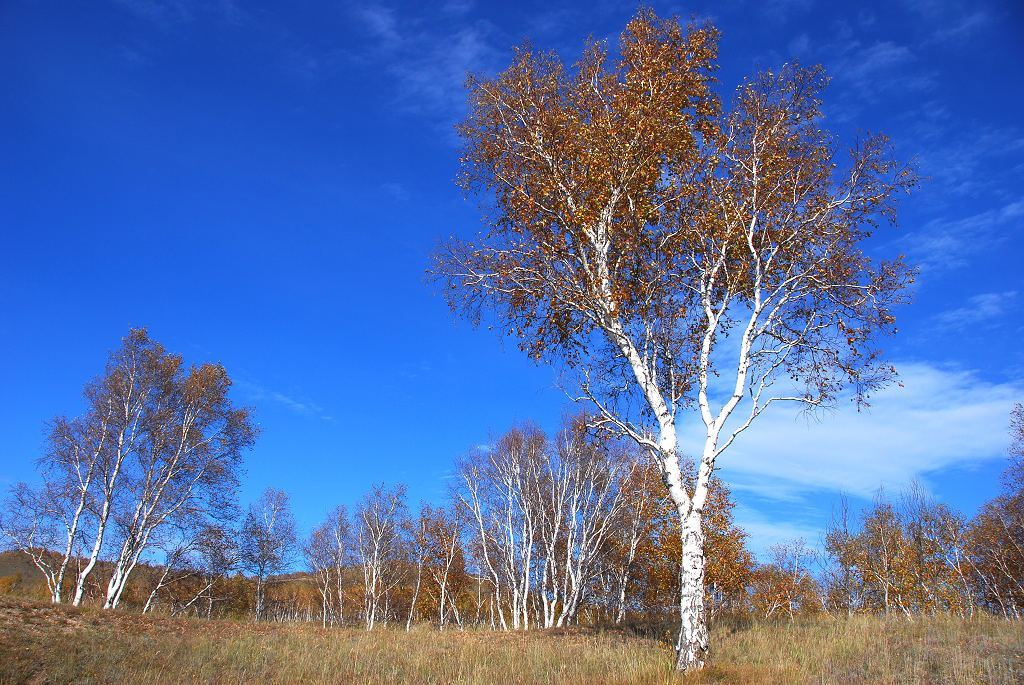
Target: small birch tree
<point>317,551</point>
<point>379,523</point>
<point>446,562</point>
<point>267,541</point>
<point>328,552</point>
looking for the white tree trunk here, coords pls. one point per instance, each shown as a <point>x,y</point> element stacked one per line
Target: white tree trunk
<point>415,595</point>
<point>93,557</point>
<point>692,647</point>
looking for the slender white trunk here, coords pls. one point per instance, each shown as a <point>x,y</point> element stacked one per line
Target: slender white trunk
<point>125,440</point>
<point>196,597</point>
<point>93,556</point>
<point>634,543</point>
<point>415,596</point>
<point>69,549</point>
<point>340,590</point>
<point>261,588</point>
<point>160,583</point>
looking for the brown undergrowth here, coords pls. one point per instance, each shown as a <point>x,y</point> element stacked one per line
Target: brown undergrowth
<point>46,644</point>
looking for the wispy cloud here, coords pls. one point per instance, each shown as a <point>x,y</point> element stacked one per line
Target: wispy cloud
<point>457,7</point>
<point>949,20</point>
<point>395,191</point>
<point>968,160</point>
<point>864,69</point>
<point>950,243</point>
<point>780,11</point>
<point>430,59</point>
<point>380,21</point>
<point>434,82</point>
<point>962,28</point>
<point>871,70</point>
<point>257,393</point>
<point>980,311</point>
<point>168,13</point>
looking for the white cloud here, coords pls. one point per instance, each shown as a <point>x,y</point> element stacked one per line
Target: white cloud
<point>429,62</point>
<point>432,80</point>
<point>864,63</point>
<point>940,418</point>
<point>781,467</point>
<point>799,46</point>
<point>381,23</point>
<point>779,11</point>
<point>962,28</point>
<point>457,7</point>
<point>947,244</point>
<point>949,21</point>
<point>255,392</point>
<point>980,310</point>
<point>395,191</point>
<point>865,71</point>
<point>871,70</point>
<point>968,160</point>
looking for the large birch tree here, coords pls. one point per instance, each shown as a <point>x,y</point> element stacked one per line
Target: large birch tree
<point>682,258</point>
<point>185,468</point>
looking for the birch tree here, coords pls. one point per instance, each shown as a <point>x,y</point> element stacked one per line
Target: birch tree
<point>446,562</point>
<point>328,552</point>
<point>654,573</point>
<point>379,520</point>
<point>36,523</point>
<point>319,558</point>
<point>417,539</point>
<point>341,553</point>
<point>843,589</point>
<point>679,257</point>
<point>785,585</point>
<point>185,465</point>
<point>125,396</point>
<point>267,541</point>
<point>1014,476</point>
<point>82,468</point>
<point>216,556</point>
<point>579,503</point>
<point>177,545</point>
<point>90,458</point>
<point>635,527</point>
<point>997,554</point>
<point>495,495</point>
<point>996,536</point>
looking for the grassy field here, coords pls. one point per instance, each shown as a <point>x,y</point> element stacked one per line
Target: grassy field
<point>43,644</point>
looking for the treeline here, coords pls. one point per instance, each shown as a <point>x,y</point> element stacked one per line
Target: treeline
<point>536,530</point>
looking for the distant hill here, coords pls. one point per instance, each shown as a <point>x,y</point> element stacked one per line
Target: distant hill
<point>15,563</point>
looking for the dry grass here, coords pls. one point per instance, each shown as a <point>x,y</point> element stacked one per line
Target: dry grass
<point>940,650</point>
<point>43,644</point>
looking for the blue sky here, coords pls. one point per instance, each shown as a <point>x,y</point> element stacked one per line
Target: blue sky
<point>261,184</point>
